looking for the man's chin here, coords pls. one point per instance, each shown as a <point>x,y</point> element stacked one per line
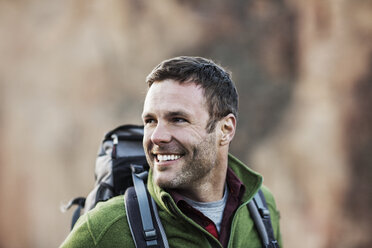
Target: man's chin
<point>164,183</point>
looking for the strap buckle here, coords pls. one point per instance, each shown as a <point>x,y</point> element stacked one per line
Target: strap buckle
<point>273,244</point>
<point>150,235</point>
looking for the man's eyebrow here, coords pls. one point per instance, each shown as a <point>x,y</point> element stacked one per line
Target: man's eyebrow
<point>177,113</point>
<point>167,114</point>
<point>146,115</point>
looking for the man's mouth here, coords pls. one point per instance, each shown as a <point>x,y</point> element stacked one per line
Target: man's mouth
<point>167,157</point>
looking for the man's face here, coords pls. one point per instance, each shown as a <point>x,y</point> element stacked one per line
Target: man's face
<point>178,148</point>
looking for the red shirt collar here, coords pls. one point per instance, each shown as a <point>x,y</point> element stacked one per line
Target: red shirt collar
<point>236,191</point>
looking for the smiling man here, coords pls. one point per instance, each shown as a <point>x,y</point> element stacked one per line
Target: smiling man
<point>202,191</point>
<point>182,153</point>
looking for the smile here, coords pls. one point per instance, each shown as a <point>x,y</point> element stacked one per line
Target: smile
<point>167,157</point>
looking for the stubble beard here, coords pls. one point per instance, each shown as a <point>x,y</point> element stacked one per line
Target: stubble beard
<point>196,169</point>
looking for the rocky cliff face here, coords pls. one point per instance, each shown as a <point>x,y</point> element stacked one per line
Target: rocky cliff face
<point>72,70</point>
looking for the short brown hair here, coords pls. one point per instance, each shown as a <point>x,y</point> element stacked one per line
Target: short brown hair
<point>218,88</point>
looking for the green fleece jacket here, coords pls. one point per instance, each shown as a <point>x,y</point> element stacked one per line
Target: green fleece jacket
<point>106,225</point>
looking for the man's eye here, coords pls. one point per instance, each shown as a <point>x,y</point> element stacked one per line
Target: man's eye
<point>179,120</point>
<point>149,121</point>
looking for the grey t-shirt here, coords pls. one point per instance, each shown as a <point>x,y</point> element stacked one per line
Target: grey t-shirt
<point>212,210</point>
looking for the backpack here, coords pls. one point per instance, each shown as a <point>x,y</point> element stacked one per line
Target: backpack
<point>121,168</point>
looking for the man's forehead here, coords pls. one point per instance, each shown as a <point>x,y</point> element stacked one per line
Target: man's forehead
<point>170,105</point>
<point>171,96</point>
<point>172,88</point>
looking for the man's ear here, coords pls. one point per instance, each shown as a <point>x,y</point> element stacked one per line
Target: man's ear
<point>228,127</point>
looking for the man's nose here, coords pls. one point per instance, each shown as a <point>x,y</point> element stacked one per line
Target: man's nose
<point>161,134</point>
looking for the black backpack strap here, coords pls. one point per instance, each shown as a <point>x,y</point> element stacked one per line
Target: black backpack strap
<point>142,214</point>
<point>261,217</point>
<point>80,201</point>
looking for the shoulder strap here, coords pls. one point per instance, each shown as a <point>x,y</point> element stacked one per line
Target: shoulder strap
<point>142,214</point>
<point>80,201</point>
<point>261,217</point>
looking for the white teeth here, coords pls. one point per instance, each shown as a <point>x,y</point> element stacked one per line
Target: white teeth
<point>167,157</point>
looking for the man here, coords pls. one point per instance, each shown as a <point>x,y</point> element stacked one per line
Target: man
<point>190,114</point>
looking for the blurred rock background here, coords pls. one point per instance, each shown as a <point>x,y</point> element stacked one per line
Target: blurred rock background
<point>72,70</point>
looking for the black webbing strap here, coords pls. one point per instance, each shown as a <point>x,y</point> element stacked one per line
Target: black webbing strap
<point>80,201</point>
<point>144,223</point>
<point>261,217</point>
